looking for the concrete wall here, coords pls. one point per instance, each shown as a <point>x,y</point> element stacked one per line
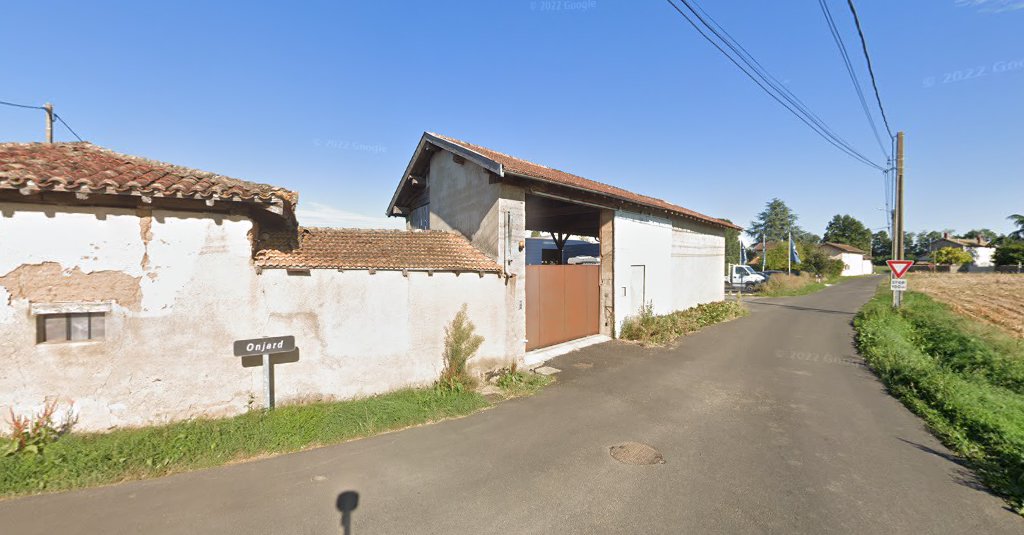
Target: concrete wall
<point>181,287</point>
<point>462,200</point>
<point>854,264</point>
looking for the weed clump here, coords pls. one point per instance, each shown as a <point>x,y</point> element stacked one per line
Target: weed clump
<point>651,329</point>
<point>460,344</point>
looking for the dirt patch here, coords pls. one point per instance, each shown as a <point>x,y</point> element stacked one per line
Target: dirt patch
<point>49,283</point>
<point>993,298</point>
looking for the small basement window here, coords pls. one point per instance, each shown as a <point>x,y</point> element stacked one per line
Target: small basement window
<point>72,327</point>
<point>70,322</point>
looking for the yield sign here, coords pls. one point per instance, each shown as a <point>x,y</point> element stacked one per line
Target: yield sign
<point>899,268</point>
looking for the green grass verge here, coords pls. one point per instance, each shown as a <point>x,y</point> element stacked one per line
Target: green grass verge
<point>83,460</point>
<point>963,379</point>
<point>649,329</point>
<point>517,383</point>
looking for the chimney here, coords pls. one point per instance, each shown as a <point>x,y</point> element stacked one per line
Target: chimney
<point>945,235</point>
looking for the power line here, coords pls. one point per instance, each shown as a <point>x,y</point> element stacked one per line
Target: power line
<point>66,125</point>
<point>871,71</point>
<point>837,37</point>
<point>22,105</point>
<point>764,80</point>
<point>56,116</point>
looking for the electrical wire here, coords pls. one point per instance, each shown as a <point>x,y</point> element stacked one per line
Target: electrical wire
<point>837,37</point>
<point>55,115</point>
<point>22,105</point>
<point>871,71</point>
<point>764,80</point>
<point>66,125</point>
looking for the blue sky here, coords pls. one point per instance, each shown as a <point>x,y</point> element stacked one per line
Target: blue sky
<point>330,98</point>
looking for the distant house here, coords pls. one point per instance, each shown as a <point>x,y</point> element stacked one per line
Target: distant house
<point>979,248</point>
<point>855,261</point>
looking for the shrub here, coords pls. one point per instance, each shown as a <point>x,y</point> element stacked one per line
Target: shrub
<point>952,255</point>
<point>1009,254</point>
<point>819,263</point>
<point>650,329</point>
<point>460,344</point>
<point>31,433</point>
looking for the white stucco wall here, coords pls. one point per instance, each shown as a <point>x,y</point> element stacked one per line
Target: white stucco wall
<point>698,257</point>
<point>360,334</point>
<point>643,240</point>
<point>982,256</point>
<point>854,265</point>
<point>682,262</point>
<point>182,287</point>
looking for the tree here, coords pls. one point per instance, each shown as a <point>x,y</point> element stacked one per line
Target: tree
<point>774,222</point>
<point>881,246</point>
<point>1009,254</point>
<point>988,235</point>
<point>819,263</point>
<point>732,245</point>
<point>1017,220</point>
<point>952,255</point>
<point>848,230</point>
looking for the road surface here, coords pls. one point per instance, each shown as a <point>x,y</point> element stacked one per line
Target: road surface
<point>767,424</point>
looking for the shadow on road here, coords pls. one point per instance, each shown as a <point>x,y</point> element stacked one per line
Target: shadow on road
<point>808,309</point>
<point>346,503</point>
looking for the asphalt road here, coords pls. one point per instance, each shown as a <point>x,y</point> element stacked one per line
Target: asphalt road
<point>768,424</point>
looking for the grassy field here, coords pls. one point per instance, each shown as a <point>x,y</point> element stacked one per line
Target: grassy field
<point>964,377</point>
<point>89,459</point>
<point>993,298</point>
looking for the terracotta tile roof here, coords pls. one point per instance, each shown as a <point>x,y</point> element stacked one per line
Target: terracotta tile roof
<point>86,168</point>
<point>334,248</point>
<point>845,247</point>
<point>518,166</point>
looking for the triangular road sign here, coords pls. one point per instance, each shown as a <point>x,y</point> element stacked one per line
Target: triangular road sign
<point>899,268</point>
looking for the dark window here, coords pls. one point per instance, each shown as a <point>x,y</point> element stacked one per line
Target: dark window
<point>73,327</point>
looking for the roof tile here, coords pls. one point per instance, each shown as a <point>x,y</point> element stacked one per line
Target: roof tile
<point>528,169</point>
<point>62,166</point>
<point>333,248</point>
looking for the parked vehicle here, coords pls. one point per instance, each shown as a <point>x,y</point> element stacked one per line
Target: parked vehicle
<point>767,274</point>
<point>743,277</point>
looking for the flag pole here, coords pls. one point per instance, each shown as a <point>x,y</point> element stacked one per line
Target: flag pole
<point>789,255</point>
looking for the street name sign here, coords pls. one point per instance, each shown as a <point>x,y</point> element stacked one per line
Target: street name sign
<point>265,347</point>
<point>898,285</point>
<point>899,268</point>
<point>261,346</point>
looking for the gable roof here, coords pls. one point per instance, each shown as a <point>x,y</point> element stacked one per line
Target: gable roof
<point>964,242</point>
<point>334,248</point>
<point>502,164</point>
<point>85,168</point>
<point>846,248</point>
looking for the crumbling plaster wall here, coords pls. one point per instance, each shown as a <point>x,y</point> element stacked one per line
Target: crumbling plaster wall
<point>181,287</point>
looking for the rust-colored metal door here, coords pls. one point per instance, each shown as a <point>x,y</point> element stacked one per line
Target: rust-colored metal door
<point>562,304</point>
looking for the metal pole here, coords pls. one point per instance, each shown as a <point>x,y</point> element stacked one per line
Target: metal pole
<point>268,382</point>
<point>789,254</point>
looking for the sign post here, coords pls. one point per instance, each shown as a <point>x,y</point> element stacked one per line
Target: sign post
<point>265,347</point>
<point>897,283</point>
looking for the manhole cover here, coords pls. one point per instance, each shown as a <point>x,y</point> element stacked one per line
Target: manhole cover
<point>636,453</point>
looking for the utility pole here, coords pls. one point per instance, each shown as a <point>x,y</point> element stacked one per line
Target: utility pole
<point>49,122</point>
<point>898,249</point>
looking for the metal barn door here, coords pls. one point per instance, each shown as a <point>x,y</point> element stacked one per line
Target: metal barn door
<point>637,288</point>
<point>562,304</point>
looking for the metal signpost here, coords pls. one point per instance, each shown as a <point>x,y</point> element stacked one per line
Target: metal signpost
<point>897,283</point>
<point>265,347</point>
